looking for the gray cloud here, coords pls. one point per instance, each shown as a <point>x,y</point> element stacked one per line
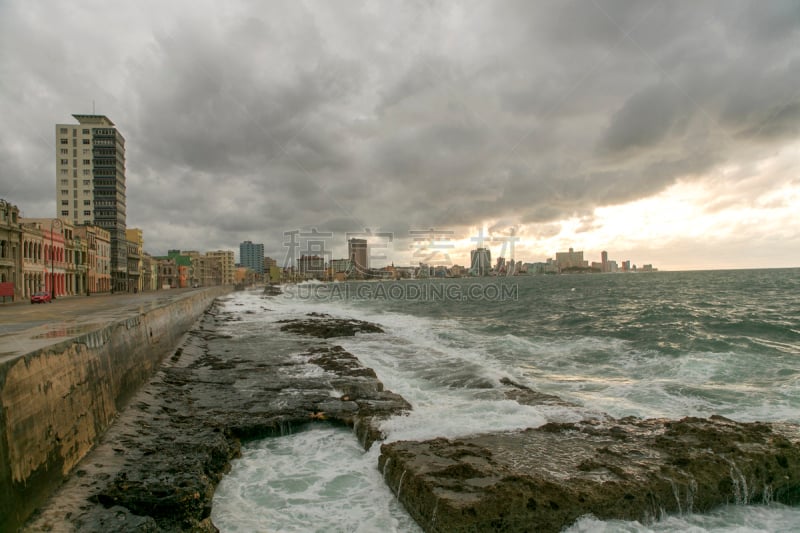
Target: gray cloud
<point>245,122</point>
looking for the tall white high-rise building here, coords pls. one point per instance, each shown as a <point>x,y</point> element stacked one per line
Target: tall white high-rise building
<point>90,183</point>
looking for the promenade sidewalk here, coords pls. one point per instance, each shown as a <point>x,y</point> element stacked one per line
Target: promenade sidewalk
<point>25,327</point>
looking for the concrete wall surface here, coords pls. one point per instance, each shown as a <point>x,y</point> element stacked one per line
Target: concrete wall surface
<point>56,401</point>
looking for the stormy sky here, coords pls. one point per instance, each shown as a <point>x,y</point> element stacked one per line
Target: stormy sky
<point>663,132</point>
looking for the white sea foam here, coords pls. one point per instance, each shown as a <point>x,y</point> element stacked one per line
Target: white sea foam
<point>774,518</point>
<point>318,480</point>
<point>449,371</point>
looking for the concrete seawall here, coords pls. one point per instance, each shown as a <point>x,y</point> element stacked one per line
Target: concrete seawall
<point>57,400</point>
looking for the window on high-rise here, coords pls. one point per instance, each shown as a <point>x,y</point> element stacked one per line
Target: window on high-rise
<point>64,141</point>
<point>87,213</point>
<point>65,161</point>
<point>86,141</point>
<point>86,131</point>
<point>65,213</point>
<point>63,130</point>
<point>65,151</point>
<point>64,191</point>
<point>65,202</point>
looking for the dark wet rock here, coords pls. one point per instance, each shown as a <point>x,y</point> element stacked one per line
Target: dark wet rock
<point>324,327</point>
<point>272,290</point>
<point>546,478</point>
<point>161,461</point>
<point>527,396</point>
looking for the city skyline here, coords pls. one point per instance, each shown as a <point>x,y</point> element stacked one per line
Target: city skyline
<point>601,126</point>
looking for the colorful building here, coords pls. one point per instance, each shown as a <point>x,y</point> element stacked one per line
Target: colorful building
<point>135,248</point>
<point>11,280</point>
<point>98,249</point>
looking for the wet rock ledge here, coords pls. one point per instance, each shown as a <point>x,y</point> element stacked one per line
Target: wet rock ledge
<point>157,468</point>
<point>544,479</point>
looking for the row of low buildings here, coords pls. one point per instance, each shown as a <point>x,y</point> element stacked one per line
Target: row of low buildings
<point>64,258</point>
<point>51,254</point>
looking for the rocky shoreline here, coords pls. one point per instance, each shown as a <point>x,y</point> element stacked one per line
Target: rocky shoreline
<point>544,479</point>
<point>157,468</point>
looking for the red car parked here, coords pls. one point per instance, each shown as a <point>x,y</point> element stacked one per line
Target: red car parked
<point>41,297</point>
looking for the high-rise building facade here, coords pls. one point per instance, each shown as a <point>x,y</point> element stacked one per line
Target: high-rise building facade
<point>480,262</point>
<point>358,255</point>
<point>90,183</point>
<point>252,256</point>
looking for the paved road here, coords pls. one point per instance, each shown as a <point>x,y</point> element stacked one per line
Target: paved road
<point>25,327</point>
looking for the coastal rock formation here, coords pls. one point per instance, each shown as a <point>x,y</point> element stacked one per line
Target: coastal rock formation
<point>544,479</point>
<point>157,467</point>
<point>272,290</point>
<point>526,396</point>
<point>325,327</point>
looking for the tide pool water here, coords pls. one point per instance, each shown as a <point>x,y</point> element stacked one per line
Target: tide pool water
<point>650,345</point>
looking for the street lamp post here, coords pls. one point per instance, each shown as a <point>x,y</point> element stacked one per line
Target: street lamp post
<point>53,258</point>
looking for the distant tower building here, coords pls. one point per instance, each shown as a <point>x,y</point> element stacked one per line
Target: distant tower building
<point>311,266</point>
<point>269,263</point>
<point>604,260</point>
<point>252,256</point>
<point>90,183</point>
<point>357,253</point>
<point>571,259</point>
<point>480,262</point>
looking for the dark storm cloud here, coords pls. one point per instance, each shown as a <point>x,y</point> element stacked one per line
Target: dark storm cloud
<point>246,121</point>
<point>646,119</point>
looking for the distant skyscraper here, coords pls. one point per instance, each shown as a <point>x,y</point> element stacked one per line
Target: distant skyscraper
<point>480,262</point>
<point>252,256</point>
<point>90,183</point>
<point>604,260</point>
<point>357,252</point>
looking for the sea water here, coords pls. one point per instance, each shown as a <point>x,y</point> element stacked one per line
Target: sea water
<point>656,344</point>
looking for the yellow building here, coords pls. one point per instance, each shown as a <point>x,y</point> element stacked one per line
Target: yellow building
<point>227,265</point>
<point>135,249</point>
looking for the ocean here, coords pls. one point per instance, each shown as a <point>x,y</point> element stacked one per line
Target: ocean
<point>661,344</point>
